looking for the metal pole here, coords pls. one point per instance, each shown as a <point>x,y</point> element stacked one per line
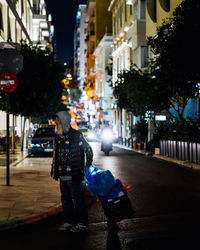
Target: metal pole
<point>7,137</point>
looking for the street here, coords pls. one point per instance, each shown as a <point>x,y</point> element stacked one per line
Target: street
<point>165,196</point>
<point>117,73</point>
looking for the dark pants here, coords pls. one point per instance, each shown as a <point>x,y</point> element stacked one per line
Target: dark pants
<point>73,202</point>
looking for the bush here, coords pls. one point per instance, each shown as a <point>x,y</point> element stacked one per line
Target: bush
<point>178,130</point>
<point>140,131</point>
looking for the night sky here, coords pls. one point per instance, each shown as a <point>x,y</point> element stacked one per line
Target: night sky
<point>63,17</point>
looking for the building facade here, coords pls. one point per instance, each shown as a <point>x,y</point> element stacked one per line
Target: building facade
<point>80,45</point>
<point>99,23</point>
<point>42,29</point>
<point>23,20</point>
<point>129,48</point>
<point>103,53</point>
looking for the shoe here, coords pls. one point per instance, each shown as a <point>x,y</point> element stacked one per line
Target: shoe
<point>65,227</point>
<point>79,227</point>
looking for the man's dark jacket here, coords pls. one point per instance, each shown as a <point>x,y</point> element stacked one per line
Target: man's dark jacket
<point>69,155</point>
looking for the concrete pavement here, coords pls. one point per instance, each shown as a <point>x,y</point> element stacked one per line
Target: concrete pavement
<point>32,194</point>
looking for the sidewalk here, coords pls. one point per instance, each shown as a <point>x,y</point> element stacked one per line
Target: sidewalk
<point>31,196</point>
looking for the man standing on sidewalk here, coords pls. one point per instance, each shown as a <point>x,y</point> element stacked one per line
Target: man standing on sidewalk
<point>70,148</point>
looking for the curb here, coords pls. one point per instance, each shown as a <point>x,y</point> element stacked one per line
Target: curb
<point>131,149</point>
<point>26,221</point>
<point>15,163</point>
<point>187,164</point>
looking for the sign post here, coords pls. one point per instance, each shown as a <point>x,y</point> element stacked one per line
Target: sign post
<point>8,83</point>
<point>7,140</point>
<point>11,63</point>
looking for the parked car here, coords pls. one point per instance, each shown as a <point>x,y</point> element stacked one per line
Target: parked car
<point>84,131</point>
<point>42,141</point>
<point>89,134</point>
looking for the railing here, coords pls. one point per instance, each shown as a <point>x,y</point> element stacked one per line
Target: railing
<point>129,142</point>
<point>185,151</point>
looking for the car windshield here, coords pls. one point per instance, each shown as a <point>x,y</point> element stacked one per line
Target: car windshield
<point>44,132</point>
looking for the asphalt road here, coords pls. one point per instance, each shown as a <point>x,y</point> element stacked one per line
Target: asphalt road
<point>165,196</point>
<point>157,187</point>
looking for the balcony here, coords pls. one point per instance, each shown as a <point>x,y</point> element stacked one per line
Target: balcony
<point>44,24</point>
<point>39,17</point>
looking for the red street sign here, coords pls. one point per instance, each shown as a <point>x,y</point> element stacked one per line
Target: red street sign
<point>8,82</point>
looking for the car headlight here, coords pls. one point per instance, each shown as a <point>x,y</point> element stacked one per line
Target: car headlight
<point>91,135</point>
<point>32,145</point>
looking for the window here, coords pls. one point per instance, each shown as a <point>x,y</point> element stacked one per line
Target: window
<point>117,65</point>
<point>114,25</point>
<point>22,7</point>
<point>120,16</point>
<point>121,62</point>
<point>136,56</point>
<point>165,4</point>
<point>36,7</point>
<point>131,10</point>
<point>135,11</point>
<point>151,8</point>
<point>9,29</point>
<point>125,10</point>
<point>144,56</point>
<point>118,20</point>
<point>1,18</point>
<point>142,10</point>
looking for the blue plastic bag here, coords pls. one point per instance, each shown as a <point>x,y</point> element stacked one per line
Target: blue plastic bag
<point>102,183</point>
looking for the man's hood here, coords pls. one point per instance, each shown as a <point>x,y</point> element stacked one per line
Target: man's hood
<point>65,119</point>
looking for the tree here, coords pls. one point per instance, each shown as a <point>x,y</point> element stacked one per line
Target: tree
<point>40,89</point>
<point>176,62</point>
<point>137,92</point>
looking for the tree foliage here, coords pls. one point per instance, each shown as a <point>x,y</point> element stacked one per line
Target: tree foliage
<point>177,56</point>
<point>140,131</point>
<point>137,91</point>
<point>40,89</point>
